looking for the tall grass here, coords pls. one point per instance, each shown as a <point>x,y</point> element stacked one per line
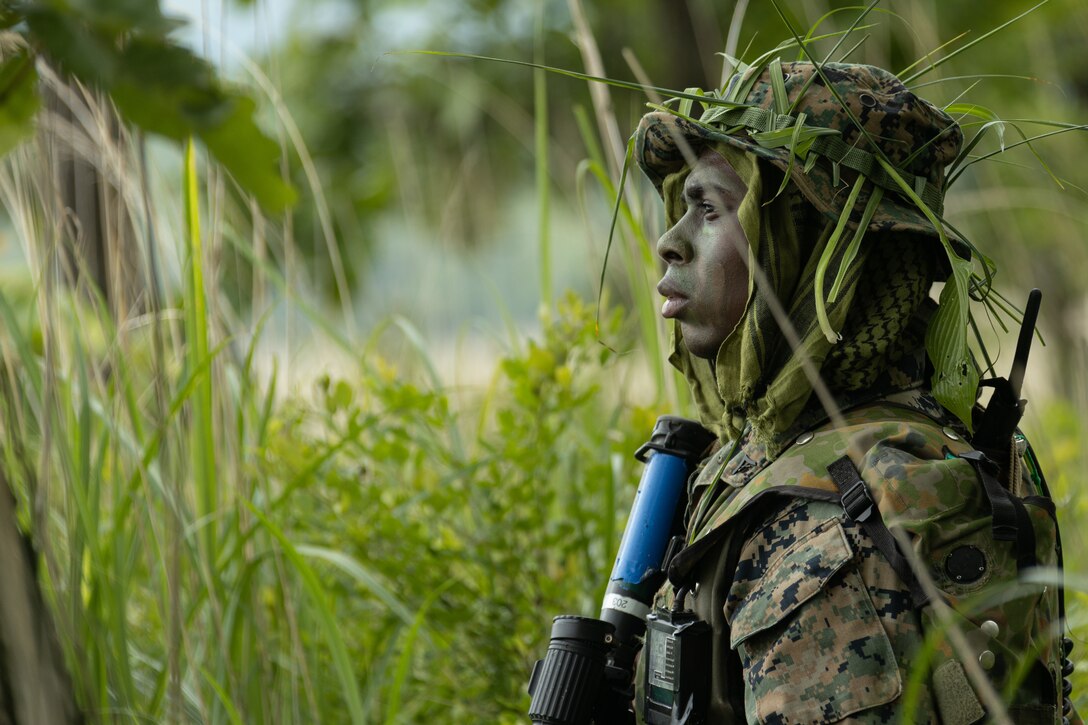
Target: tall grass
<point>218,551</point>
<point>137,442</point>
<point>221,545</point>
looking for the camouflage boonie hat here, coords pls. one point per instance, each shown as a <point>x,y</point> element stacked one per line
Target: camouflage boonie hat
<point>917,138</point>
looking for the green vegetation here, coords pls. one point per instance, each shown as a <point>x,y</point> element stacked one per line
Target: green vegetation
<point>223,542</point>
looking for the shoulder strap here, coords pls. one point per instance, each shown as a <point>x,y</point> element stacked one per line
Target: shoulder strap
<point>1010,519</point>
<point>862,510</point>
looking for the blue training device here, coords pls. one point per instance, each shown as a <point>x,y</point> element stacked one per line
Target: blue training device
<point>649,530</point>
<point>671,454</point>
<point>586,676</point>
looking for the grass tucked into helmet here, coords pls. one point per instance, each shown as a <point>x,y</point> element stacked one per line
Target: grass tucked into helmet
<point>864,150</point>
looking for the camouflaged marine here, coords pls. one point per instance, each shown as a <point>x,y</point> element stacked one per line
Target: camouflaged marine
<point>857,559</point>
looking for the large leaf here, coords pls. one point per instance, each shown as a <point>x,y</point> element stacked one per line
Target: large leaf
<point>160,86</point>
<point>18,100</point>
<point>68,42</point>
<point>955,382</point>
<point>166,89</point>
<point>251,157</point>
<point>121,16</point>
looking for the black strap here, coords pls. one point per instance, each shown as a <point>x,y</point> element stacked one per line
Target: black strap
<point>1011,521</point>
<point>860,507</point>
<point>1025,539</point>
<point>1005,521</point>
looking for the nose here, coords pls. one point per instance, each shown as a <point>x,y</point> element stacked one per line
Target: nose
<point>674,247</point>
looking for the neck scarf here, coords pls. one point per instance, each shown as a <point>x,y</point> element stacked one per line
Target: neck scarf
<point>757,381</point>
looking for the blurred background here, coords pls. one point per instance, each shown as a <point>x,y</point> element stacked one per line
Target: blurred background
<point>342,456</point>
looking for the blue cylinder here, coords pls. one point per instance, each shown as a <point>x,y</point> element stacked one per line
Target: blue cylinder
<point>649,527</point>
<point>669,455</point>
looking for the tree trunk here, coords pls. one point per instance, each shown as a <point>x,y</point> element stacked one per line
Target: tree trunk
<point>99,243</point>
<point>35,688</point>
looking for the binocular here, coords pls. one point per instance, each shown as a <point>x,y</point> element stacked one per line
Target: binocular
<point>587,673</point>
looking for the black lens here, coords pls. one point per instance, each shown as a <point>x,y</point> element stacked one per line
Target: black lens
<point>566,683</point>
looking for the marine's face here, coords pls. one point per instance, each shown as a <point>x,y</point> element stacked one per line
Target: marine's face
<point>706,252</point>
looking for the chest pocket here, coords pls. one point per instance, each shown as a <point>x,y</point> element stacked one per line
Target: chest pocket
<point>811,644</point>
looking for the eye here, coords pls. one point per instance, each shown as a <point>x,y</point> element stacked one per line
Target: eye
<point>706,208</point>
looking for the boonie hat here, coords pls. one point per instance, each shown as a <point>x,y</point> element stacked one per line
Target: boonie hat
<point>806,112</point>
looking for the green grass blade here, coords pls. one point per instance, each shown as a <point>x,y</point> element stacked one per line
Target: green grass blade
<point>224,698</point>
<point>929,53</point>
<point>778,87</point>
<point>830,333</point>
<point>365,577</point>
<point>407,652</point>
<point>615,83</point>
<point>325,619</point>
<point>612,231</point>
<point>1025,141</point>
<point>938,63</point>
<point>203,427</point>
<point>540,159</point>
<point>982,76</point>
<point>855,242</point>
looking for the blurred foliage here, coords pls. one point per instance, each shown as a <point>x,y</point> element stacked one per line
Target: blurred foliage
<point>383,545</point>
<point>1058,436</point>
<point>446,138</point>
<point>478,524</point>
<point>124,50</point>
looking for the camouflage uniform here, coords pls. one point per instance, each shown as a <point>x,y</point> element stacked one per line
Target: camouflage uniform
<point>811,622</point>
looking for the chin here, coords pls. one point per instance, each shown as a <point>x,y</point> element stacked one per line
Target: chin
<point>699,346</point>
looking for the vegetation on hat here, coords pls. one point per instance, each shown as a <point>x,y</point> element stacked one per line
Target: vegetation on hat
<point>956,372</point>
<point>203,562</point>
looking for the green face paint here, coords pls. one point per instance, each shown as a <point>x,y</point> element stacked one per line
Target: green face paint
<point>706,278</point>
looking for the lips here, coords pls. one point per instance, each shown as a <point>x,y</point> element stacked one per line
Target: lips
<point>672,307</point>
<point>675,302</point>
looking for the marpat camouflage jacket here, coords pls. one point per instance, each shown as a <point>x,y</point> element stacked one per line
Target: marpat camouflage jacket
<point>810,622</point>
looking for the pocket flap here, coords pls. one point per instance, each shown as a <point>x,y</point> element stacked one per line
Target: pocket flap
<point>791,580</point>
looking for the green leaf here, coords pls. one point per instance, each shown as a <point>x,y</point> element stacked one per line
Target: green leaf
<point>973,109</point>
<point>250,156</point>
<point>790,135</point>
<point>715,113</point>
<point>165,89</point>
<point>685,104</point>
<point>855,243</point>
<point>825,259</point>
<point>326,622</point>
<point>9,18</point>
<point>564,72</point>
<point>18,100</point>
<point>810,161</point>
<point>955,381</point>
<point>407,645</point>
<point>71,44</point>
<point>123,16</point>
<point>361,574</point>
<point>976,41</point>
<point>797,148</point>
<point>778,87</point>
